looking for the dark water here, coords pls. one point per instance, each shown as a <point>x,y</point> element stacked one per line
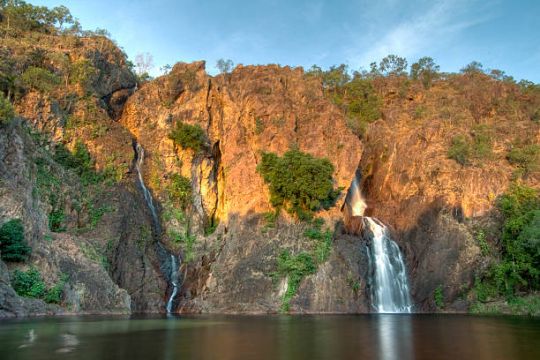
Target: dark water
<point>273,337</point>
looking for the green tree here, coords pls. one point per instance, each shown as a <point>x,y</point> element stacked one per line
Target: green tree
<point>298,182</point>
<point>473,67</point>
<point>13,246</point>
<point>224,66</point>
<point>393,65</point>
<point>425,70</point>
<point>188,136</point>
<point>40,79</point>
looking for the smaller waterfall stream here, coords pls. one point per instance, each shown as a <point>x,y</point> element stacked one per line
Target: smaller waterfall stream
<point>173,269</point>
<point>174,281</point>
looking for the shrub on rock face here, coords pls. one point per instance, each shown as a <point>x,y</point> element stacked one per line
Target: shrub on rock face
<point>13,246</point>
<point>299,182</point>
<point>28,283</point>
<point>40,79</point>
<point>188,136</point>
<point>180,190</point>
<point>6,110</point>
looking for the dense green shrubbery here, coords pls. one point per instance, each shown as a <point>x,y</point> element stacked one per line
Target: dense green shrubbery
<point>80,161</point>
<point>527,157</point>
<point>6,110</point>
<point>39,79</point>
<point>460,150</point>
<point>355,95</point>
<point>30,284</point>
<point>13,245</point>
<point>188,136</point>
<point>299,182</point>
<point>295,267</point>
<point>179,190</point>
<point>519,266</point>
<point>465,149</point>
<point>438,297</point>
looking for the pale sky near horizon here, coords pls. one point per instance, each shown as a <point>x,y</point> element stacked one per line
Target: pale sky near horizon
<point>501,34</point>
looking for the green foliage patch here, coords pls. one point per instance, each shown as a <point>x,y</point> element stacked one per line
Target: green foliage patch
<point>30,284</point>
<point>13,246</point>
<point>188,136</point>
<point>519,267</point>
<point>299,182</point>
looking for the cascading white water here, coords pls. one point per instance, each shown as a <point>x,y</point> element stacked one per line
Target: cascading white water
<point>174,273</point>
<point>174,282</point>
<point>356,200</point>
<point>390,288</point>
<point>146,192</point>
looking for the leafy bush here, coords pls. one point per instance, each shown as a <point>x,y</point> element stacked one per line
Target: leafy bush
<point>464,149</point>
<point>6,110</point>
<point>295,268</point>
<point>299,182</point>
<point>39,79</point>
<point>54,294</point>
<point>323,240</point>
<point>13,246</point>
<point>525,157</point>
<point>179,190</point>
<point>438,297</point>
<point>28,283</point>
<point>519,267</point>
<point>79,160</point>
<point>460,150</point>
<point>188,136</point>
<point>361,103</point>
<point>82,72</point>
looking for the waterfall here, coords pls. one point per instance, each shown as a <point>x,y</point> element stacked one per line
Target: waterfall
<point>389,285</point>
<point>147,195</point>
<point>356,200</point>
<point>174,281</point>
<point>390,288</point>
<point>172,270</point>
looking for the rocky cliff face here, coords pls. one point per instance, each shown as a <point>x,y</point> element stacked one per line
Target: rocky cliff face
<point>117,260</point>
<point>251,110</point>
<point>434,204</point>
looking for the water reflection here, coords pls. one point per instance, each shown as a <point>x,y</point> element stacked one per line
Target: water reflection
<point>385,336</point>
<point>394,337</point>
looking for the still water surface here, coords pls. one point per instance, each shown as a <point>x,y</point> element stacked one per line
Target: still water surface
<point>387,337</point>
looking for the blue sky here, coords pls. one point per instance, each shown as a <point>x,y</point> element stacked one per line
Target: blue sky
<point>501,34</point>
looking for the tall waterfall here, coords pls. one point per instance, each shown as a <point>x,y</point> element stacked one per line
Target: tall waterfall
<point>147,195</point>
<point>174,264</point>
<point>390,288</point>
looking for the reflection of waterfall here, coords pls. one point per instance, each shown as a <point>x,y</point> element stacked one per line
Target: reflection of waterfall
<point>394,337</point>
<point>174,277</point>
<point>390,289</point>
<point>169,264</point>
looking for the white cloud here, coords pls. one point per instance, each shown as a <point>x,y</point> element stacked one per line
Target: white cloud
<point>420,33</point>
